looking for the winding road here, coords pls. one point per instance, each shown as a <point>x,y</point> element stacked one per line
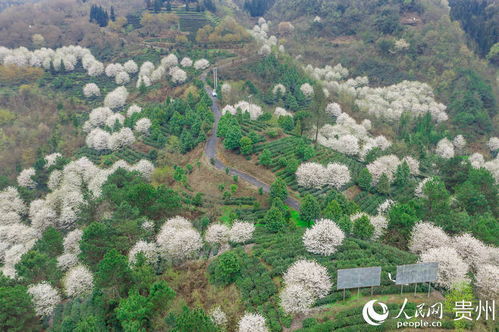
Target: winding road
<point>210,149</point>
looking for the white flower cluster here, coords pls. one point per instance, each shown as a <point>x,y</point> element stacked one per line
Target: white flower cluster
<point>305,281</point>
<point>25,178</point>
<point>279,88</point>
<point>260,34</point>
<point>201,64</point>
<point>142,126</point>
<point>307,89</point>
<point>178,76</point>
<point>241,232</point>
<point>334,109</point>
<point>130,67</point>
<point>451,268</point>
<point>148,249</point>
<point>91,90</point>
<point>459,142</point>
<point>328,73</point>
<point>349,137</point>
<point>455,255</point>
<point>78,281</point>
<point>314,175</point>
<point>69,258</point>
<point>51,159</point>
<point>391,102</point>
<point>65,57</point>
<point>133,109</point>
<point>493,144</point>
<point>254,110</point>
<point>279,111</point>
<point>45,298</point>
<point>323,238</point>
<point>122,78</point>
<point>388,165</point>
<point>178,240</point>
<point>59,209</point>
<point>186,62</point>
<point>121,139</point>
<point>445,148</point>
<point>219,317</point>
<point>116,98</point>
<point>217,233</point>
<point>388,102</point>
<point>149,74</point>
<point>427,236</point>
<point>487,281</point>
<point>113,69</point>
<point>252,323</point>
<point>15,237</point>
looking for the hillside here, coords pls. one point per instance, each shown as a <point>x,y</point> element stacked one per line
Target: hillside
<point>213,165</point>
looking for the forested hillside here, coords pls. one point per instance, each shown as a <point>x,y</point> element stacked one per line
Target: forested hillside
<point>212,165</point>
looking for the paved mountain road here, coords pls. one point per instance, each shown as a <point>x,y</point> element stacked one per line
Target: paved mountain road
<point>210,150</point>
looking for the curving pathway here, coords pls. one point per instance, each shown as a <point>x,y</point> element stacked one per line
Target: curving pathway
<point>210,150</point>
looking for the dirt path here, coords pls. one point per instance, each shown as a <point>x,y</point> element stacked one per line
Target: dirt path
<point>210,148</point>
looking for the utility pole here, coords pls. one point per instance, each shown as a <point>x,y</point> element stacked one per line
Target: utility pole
<point>215,78</point>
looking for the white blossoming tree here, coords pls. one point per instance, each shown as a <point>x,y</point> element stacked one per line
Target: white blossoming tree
<point>122,78</point>
<point>25,178</point>
<point>201,64</point>
<point>241,232</point>
<point>426,236</point>
<point>471,250</point>
<point>311,276</point>
<point>451,268</point>
<point>217,233</point>
<point>295,299</point>
<point>121,139</point>
<point>45,298</point>
<point>178,240</point>
<point>131,67</point>
<point>323,238</point>
<point>116,98</point>
<point>252,323</point>
<point>487,281</point>
<point>148,249</point>
<point>178,76</point>
<point>445,148</point>
<point>78,281</point>
<point>186,62</point>
<point>219,317</point>
<point>307,89</point>
<point>91,90</point>
<point>493,144</point>
<point>142,126</point>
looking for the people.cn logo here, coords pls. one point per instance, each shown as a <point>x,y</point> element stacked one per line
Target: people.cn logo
<point>371,316</point>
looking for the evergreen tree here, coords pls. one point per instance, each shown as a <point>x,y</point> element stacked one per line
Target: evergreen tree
<point>114,273</point>
<point>383,186</point>
<point>278,189</point>
<point>333,211</point>
<point>246,145</point>
<point>233,136</point>
<point>265,158</point>
<point>362,228</point>
<point>402,174</point>
<point>309,209</point>
<point>16,310</point>
<point>274,220</point>
<point>365,178</point>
